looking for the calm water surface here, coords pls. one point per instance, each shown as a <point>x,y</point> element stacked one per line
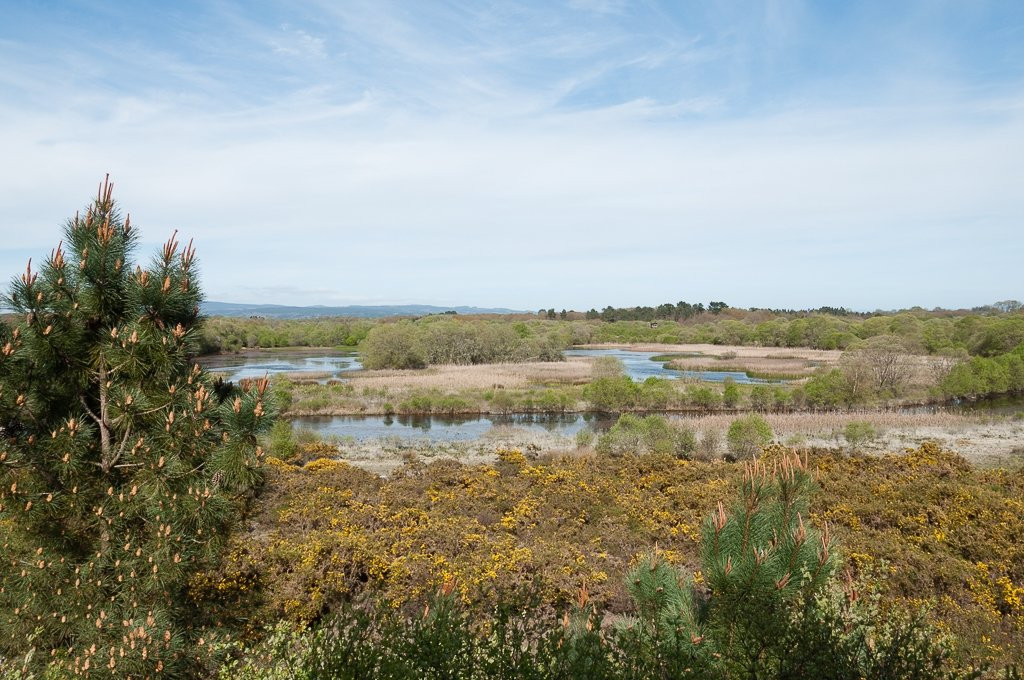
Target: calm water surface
<point>449,428</point>
<point>639,367</point>
<point>435,428</point>
<point>327,366</point>
<point>467,428</point>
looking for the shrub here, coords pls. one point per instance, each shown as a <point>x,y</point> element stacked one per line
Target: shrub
<point>704,397</point>
<point>747,435</point>
<point>827,390</point>
<point>764,604</point>
<point>584,438</point>
<point>710,442</point>
<point>760,397</point>
<point>282,443</point>
<point>612,394</point>
<point>655,394</point>
<point>394,345</point>
<point>649,434</point>
<point>859,432</point>
<point>730,393</point>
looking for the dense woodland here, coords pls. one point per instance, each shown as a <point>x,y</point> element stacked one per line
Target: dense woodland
<point>985,332</point>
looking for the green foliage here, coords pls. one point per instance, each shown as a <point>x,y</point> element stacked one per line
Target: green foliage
<point>704,397</point>
<point>981,375</point>
<point>827,390</point>
<point>282,440</point>
<point>584,438</point>
<point>657,394</point>
<point>441,340</point>
<point>730,393</point>
<point>858,432</point>
<point>121,464</point>
<point>761,397</point>
<point>394,345</point>
<point>747,435</point>
<point>650,434</point>
<point>230,334</point>
<point>612,394</point>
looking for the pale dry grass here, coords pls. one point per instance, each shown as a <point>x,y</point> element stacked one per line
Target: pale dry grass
<point>454,378</point>
<point>978,438</point>
<point>824,424</point>
<point>787,366</point>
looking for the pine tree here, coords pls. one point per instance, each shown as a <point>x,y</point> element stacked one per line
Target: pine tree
<point>122,465</point>
<point>762,563</point>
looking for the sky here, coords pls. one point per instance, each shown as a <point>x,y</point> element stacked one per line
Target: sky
<point>569,154</point>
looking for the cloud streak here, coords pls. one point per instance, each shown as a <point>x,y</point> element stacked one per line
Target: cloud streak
<point>521,156</point>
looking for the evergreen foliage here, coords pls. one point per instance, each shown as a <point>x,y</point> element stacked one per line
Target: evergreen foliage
<point>121,463</point>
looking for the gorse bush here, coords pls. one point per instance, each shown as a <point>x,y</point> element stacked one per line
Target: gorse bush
<point>121,464</point>
<point>326,533</point>
<point>765,604</point>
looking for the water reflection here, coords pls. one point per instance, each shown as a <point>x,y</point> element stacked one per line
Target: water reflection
<point>239,367</point>
<point>439,428</point>
<point>639,367</point>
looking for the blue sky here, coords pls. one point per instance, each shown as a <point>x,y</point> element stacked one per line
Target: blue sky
<point>536,154</point>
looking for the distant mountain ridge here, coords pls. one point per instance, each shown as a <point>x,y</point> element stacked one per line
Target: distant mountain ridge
<point>214,308</point>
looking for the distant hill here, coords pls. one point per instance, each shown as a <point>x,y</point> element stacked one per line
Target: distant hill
<point>214,308</point>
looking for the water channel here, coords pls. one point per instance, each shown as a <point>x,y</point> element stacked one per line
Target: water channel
<point>436,428</point>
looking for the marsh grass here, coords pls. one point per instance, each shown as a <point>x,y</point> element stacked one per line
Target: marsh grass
<point>479,376</point>
<point>756,367</point>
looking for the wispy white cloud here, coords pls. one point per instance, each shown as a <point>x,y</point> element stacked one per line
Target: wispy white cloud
<point>518,155</point>
<point>295,42</point>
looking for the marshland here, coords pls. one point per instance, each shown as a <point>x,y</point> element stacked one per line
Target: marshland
<point>522,340</point>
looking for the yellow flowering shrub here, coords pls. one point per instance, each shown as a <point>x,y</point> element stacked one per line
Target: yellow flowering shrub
<point>327,532</point>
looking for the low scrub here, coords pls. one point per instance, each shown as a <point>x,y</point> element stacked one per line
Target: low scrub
<point>747,436</point>
<point>925,527</point>
<point>649,434</point>
<point>764,604</point>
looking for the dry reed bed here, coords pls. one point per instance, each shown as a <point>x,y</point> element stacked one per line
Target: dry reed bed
<point>789,366</point>
<point>576,370</point>
<point>824,423</point>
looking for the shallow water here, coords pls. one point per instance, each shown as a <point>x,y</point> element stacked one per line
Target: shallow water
<point>239,367</point>
<point>436,428</point>
<point>639,367</point>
